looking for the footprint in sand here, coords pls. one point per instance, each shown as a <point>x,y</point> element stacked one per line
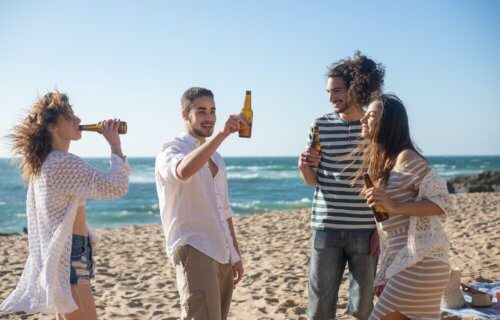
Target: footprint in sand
<point>272,301</point>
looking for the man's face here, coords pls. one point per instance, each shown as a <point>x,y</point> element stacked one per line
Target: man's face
<point>200,120</point>
<point>338,94</point>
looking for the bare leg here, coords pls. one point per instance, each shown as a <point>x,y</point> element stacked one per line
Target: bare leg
<point>395,316</point>
<point>82,294</point>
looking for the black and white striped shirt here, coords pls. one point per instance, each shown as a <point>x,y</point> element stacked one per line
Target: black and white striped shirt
<point>337,205</point>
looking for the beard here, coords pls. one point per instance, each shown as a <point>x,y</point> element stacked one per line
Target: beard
<point>341,107</point>
<point>200,133</point>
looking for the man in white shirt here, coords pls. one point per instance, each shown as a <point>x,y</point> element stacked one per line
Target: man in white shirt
<point>191,182</point>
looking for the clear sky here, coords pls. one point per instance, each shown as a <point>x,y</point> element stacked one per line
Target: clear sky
<point>134,59</point>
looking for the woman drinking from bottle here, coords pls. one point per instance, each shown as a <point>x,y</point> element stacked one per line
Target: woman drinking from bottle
<point>60,265</point>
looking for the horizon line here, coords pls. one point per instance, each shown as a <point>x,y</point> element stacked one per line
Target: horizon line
<point>292,156</point>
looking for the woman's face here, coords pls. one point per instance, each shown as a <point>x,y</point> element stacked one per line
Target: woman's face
<point>67,127</point>
<point>370,120</point>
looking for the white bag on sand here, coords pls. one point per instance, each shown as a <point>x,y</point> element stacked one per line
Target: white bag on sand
<point>452,295</point>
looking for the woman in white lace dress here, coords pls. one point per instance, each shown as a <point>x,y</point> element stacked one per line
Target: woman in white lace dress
<point>57,274</point>
<point>414,268</point>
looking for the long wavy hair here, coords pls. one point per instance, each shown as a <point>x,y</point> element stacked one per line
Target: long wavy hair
<point>31,139</point>
<point>390,137</point>
<point>362,76</point>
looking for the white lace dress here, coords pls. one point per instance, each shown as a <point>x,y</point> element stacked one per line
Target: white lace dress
<point>65,182</point>
<point>414,265</point>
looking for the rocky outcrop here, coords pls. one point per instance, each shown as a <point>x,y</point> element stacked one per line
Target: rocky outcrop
<point>487,181</point>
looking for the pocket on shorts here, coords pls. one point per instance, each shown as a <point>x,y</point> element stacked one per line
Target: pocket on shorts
<point>323,239</point>
<point>77,251</point>
<point>319,239</point>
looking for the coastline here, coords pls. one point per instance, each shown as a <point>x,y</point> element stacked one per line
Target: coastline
<point>134,279</point>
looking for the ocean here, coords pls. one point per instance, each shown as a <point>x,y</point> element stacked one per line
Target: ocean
<point>255,185</point>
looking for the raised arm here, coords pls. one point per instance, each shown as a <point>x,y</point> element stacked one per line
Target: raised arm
<point>196,159</point>
<point>71,175</point>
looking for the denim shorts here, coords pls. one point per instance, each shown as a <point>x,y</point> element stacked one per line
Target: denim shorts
<point>82,264</point>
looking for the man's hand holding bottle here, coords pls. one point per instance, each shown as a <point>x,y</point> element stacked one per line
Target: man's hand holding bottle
<point>235,123</point>
<point>309,158</point>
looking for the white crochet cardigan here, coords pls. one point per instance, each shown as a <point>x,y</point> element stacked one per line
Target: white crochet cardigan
<point>426,235</point>
<point>65,182</point>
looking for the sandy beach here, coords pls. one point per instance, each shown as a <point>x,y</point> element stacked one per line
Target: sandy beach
<point>134,279</point>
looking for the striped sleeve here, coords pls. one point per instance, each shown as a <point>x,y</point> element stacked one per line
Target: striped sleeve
<point>414,170</point>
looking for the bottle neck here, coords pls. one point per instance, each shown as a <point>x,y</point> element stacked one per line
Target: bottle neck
<point>90,127</point>
<point>248,103</point>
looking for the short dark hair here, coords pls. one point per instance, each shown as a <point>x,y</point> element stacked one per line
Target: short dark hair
<point>192,94</point>
<point>362,77</point>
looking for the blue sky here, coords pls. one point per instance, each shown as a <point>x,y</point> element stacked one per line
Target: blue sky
<point>134,59</point>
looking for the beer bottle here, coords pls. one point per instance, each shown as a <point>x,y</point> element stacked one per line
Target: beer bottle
<point>247,111</point>
<point>315,144</point>
<point>122,128</point>
<point>379,212</point>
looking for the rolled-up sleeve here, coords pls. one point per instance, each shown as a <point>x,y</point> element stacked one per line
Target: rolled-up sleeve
<point>168,160</point>
<point>227,212</point>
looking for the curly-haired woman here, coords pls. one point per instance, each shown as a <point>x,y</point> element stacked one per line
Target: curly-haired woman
<point>343,225</point>
<point>57,274</point>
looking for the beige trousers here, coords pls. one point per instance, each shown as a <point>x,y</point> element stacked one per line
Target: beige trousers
<point>205,285</point>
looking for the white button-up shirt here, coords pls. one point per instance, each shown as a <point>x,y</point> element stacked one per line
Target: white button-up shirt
<point>194,211</point>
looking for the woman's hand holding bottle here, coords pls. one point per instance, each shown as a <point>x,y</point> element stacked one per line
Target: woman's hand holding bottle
<point>109,130</point>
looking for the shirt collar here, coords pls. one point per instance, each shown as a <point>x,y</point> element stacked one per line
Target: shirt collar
<point>189,139</point>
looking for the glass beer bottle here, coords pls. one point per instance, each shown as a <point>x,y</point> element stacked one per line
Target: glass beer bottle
<point>315,144</point>
<point>248,112</point>
<point>379,212</point>
<point>122,128</point>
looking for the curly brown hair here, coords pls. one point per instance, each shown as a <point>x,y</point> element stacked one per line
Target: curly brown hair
<point>362,76</point>
<point>31,139</point>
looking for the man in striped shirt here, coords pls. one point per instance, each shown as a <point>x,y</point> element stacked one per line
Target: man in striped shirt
<point>343,225</point>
